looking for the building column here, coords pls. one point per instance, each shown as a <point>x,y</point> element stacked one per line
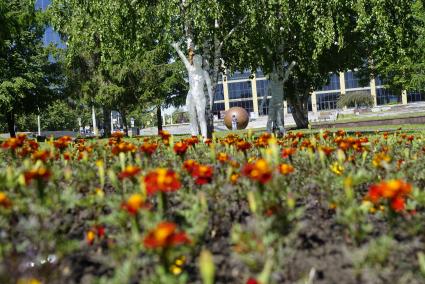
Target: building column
<point>254,94</point>
<point>314,102</point>
<point>342,82</point>
<point>285,107</point>
<point>373,91</point>
<point>226,93</point>
<point>404,97</point>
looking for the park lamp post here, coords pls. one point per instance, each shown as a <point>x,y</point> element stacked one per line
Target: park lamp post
<point>38,123</point>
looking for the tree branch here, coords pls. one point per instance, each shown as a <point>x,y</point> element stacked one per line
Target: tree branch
<point>231,32</point>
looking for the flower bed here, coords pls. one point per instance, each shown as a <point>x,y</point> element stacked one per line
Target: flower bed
<point>330,207</point>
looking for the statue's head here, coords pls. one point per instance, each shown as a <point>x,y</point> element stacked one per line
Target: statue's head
<point>197,61</point>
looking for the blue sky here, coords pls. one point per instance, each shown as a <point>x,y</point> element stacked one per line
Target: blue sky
<point>50,36</point>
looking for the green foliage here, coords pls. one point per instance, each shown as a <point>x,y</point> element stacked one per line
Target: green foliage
<point>355,99</point>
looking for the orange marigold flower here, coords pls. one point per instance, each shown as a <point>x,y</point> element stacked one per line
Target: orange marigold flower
<point>286,169</point>
<point>134,203</point>
<point>41,155</point>
<point>14,142</point>
<point>161,179</point>
<point>202,174</point>
<point>222,157</point>
<point>165,235</point>
<point>62,142</point>
<point>4,200</point>
<point>258,171</point>
<point>123,147</point>
<point>148,148</point>
<point>380,159</point>
<point>287,152</point>
<point>243,145</point>
<point>208,142</point>
<point>39,174</point>
<point>180,148</point>
<point>129,172</point>
<point>234,178</point>
<point>190,165</point>
<point>192,141</point>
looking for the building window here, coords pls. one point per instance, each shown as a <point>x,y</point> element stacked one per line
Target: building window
<point>219,94</point>
<point>334,83</point>
<point>217,109</point>
<point>327,101</point>
<point>247,105</point>
<point>384,97</point>
<point>263,108</point>
<point>352,80</point>
<point>240,75</point>
<point>415,96</point>
<point>240,90</point>
<point>262,86</point>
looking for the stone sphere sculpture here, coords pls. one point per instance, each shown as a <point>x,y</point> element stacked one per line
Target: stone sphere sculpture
<point>241,115</point>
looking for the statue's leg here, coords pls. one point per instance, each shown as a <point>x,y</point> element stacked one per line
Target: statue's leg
<point>270,120</point>
<point>281,121</point>
<point>200,110</point>
<point>191,108</point>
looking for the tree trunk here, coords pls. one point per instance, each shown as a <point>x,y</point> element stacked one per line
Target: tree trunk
<point>124,122</point>
<point>107,122</point>
<point>11,123</point>
<point>299,108</point>
<point>159,118</point>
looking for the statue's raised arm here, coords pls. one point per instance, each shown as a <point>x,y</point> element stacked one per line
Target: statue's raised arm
<point>186,62</point>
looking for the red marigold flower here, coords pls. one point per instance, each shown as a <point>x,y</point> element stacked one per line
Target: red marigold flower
<point>41,155</point>
<point>208,142</point>
<point>202,174</point>
<point>243,145</point>
<point>263,140</point>
<point>398,204</point>
<point>96,231</point>
<point>161,179</point>
<point>40,174</point>
<point>180,148</point>
<point>134,203</point>
<point>287,152</point>
<point>165,235</point>
<point>148,148</point>
<point>129,172</point>
<point>393,190</point>
<point>286,169</point>
<point>4,200</point>
<point>327,150</point>
<point>258,171</point>
<point>190,165</point>
<point>252,281</point>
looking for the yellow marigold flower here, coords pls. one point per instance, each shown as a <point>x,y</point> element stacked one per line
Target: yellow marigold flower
<point>336,168</point>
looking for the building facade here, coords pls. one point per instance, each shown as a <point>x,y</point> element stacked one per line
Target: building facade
<point>249,90</point>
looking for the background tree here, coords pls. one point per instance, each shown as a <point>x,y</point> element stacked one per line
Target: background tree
<point>28,79</point>
<point>321,37</point>
<point>130,66</point>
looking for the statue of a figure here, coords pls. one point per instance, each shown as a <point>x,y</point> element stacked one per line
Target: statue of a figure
<point>196,100</point>
<point>277,79</point>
